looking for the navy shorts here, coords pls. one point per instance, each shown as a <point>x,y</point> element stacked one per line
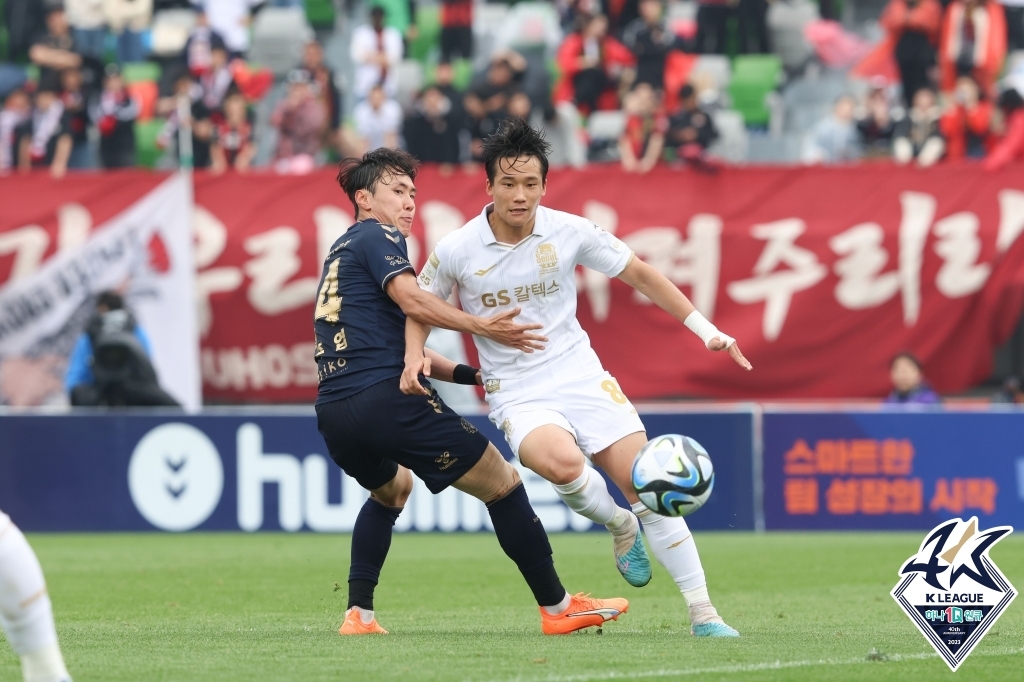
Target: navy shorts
<point>370,433</point>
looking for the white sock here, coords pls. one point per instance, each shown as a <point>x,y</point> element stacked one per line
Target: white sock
<point>588,496</point>
<point>25,611</point>
<point>558,608</point>
<point>671,542</point>
<point>365,615</point>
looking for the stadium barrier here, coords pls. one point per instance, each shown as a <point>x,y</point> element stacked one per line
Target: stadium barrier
<point>266,469</point>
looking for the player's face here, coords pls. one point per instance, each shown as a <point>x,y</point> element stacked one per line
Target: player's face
<point>517,190</point>
<point>394,202</point>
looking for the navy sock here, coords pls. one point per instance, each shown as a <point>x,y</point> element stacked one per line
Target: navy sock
<point>522,537</point>
<point>371,540</point>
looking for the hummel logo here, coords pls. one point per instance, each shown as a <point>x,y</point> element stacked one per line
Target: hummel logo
<point>446,460</point>
<point>481,273</point>
<point>606,613</point>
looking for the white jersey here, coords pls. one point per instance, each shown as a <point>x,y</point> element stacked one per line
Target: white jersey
<point>539,275</point>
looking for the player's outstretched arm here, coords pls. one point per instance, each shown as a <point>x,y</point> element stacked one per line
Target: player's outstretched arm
<point>429,363</point>
<point>428,309</point>
<point>655,286</point>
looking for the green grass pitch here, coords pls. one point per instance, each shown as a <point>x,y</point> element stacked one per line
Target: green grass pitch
<point>267,607</point>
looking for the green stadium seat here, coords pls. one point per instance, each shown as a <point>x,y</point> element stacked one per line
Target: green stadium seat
<point>320,13</point>
<point>32,73</point>
<point>146,151</point>
<point>753,77</point>
<point>428,33</point>
<point>136,72</point>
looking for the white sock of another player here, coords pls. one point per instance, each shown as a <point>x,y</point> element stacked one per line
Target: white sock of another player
<point>25,610</point>
<point>671,542</point>
<point>588,496</point>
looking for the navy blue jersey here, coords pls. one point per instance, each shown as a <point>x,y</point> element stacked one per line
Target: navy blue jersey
<point>360,330</point>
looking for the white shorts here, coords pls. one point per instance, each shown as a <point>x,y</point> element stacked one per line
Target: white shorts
<point>592,408</point>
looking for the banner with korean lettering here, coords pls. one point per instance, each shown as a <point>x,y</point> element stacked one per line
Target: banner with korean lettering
<point>822,274</point>
<point>892,469</point>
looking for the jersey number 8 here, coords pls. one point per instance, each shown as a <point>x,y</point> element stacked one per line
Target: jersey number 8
<point>328,303</point>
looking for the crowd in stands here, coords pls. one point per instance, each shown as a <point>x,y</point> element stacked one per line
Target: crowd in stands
<point>935,92</point>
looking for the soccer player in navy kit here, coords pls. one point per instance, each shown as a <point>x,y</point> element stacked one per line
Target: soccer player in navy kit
<point>378,434</point>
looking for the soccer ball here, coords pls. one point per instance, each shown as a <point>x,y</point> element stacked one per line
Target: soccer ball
<point>673,475</point>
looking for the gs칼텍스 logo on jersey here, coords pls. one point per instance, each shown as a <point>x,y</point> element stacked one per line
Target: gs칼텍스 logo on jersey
<point>952,590</point>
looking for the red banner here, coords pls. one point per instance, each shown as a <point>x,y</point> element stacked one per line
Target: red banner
<point>821,274</point>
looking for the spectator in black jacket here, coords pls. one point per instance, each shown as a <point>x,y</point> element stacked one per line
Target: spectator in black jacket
<point>650,41</point>
<point>54,51</point>
<point>432,129</point>
<point>76,108</point>
<point>114,115</point>
<point>44,140</point>
<point>691,130</point>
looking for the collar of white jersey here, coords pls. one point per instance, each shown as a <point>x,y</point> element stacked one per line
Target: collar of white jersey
<point>540,226</point>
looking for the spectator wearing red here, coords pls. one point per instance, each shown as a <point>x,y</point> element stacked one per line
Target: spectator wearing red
<point>114,115</point>
<point>913,34</point>
<point>592,65</point>
<point>973,43</point>
<point>967,122</point>
<point>76,107</point>
<point>456,29</point>
<point>1010,146</point>
<point>643,140</point>
<point>231,145</point>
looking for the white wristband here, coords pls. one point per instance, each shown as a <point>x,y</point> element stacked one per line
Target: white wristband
<point>703,328</point>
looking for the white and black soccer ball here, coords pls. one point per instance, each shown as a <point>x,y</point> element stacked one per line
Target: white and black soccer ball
<point>673,475</point>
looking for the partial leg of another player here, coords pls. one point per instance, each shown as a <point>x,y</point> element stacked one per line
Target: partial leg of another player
<point>25,611</point>
<point>522,537</point>
<point>551,451</point>
<point>670,540</point>
<point>371,540</point>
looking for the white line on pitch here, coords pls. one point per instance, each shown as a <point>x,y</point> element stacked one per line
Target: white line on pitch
<point>745,668</point>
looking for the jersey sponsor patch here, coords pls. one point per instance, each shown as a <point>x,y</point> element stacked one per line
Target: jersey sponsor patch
<point>547,258</point>
<point>430,269</point>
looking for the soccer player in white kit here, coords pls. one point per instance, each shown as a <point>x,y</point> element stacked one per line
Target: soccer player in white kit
<point>559,405</point>
<point>25,611</point>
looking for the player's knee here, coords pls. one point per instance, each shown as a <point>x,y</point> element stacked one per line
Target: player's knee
<point>564,470</point>
<point>396,493</point>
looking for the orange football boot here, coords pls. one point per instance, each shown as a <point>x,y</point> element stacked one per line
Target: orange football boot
<point>584,611</point>
<point>354,625</point>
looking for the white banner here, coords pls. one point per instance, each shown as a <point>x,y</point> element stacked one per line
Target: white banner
<point>145,253</point>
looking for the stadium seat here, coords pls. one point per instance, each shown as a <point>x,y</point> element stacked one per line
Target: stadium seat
<point>32,73</point>
<point>320,13</point>
<point>531,25</point>
<point>170,31</point>
<point>732,143</point>
<point>786,24</point>
<point>428,33</point>
<point>409,75</point>
<point>278,37</point>
<point>488,22</point>
<point>146,151</point>
<point>606,125</point>
<point>715,68</point>
<point>145,94</point>
<point>754,76</point>
<point>137,72</point>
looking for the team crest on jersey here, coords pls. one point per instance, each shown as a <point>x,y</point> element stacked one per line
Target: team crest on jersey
<point>952,590</point>
<point>547,258</point>
<point>492,385</point>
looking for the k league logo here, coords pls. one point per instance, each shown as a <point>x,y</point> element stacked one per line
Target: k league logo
<point>952,590</point>
<point>175,477</point>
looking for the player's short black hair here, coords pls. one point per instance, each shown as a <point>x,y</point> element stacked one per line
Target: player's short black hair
<point>515,139</point>
<point>111,300</point>
<point>907,355</point>
<point>364,173</point>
